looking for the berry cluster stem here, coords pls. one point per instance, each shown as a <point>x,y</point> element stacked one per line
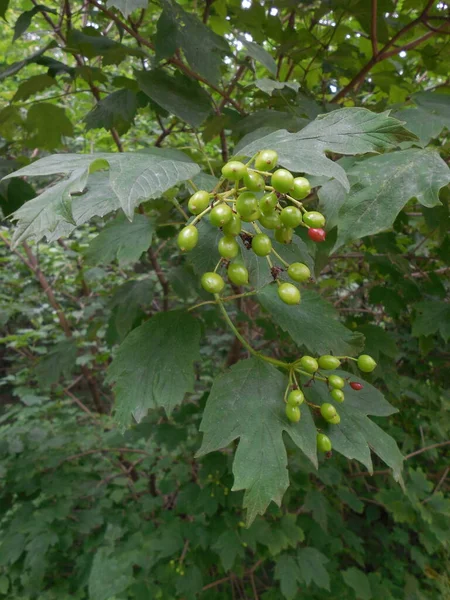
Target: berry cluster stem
<point>247,346</point>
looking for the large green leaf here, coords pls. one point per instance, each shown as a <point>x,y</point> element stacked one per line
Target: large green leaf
<point>32,85</point>
<point>178,94</point>
<point>154,366</point>
<point>109,575</point>
<point>133,178</point>
<point>48,124</point>
<point>246,402</point>
<point>356,434</point>
<point>127,302</point>
<point>25,18</point>
<point>58,362</point>
<point>359,582</point>
<point>345,131</point>
<point>382,185</point>
<point>37,219</point>
<point>288,574</point>
<point>258,53</point>
<point>202,47</point>
<point>432,316</point>
<point>312,563</point>
<point>115,111</point>
<point>40,216</point>
<point>90,43</point>
<point>122,240</point>
<point>126,7</point>
<point>312,323</point>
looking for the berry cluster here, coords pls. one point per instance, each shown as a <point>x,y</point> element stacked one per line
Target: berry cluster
<point>308,365</point>
<point>255,199</point>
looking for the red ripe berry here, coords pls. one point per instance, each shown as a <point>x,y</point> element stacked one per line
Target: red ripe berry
<point>316,235</point>
<point>356,386</point>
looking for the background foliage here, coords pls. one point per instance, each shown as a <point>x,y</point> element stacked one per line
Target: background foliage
<point>90,511</point>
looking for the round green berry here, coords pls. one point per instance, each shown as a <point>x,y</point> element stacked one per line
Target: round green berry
<point>233,227</point>
<point>366,364</point>
<point>282,180</point>
<point>246,204</point>
<point>314,219</point>
<point>335,381</point>
<point>212,283</point>
<point>187,238</point>
<point>283,235</point>
<point>271,221</point>
<point>254,182</point>
<point>328,362</point>
<point>323,443</point>
<point>300,188</point>
<point>198,202</point>
<point>335,420</point>
<point>266,160</point>
<point>268,203</point>
<point>337,395</point>
<point>327,411</point>
<point>228,247</point>
<point>234,170</point>
<point>237,274</point>
<point>299,272</point>
<point>309,364</point>
<point>289,293</point>
<point>220,215</point>
<point>254,216</point>
<point>293,413</point>
<point>291,216</point>
<point>295,398</point>
<point>261,244</point>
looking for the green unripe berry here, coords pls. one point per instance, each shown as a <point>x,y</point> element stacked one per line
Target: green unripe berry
<point>234,170</point>
<point>220,215</point>
<point>266,160</point>
<point>271,221</point>
<point>253,217</point>
<point>337,395</point>
<point>246,204</point>
<point>291,216</point>
<point>335,420</point>
<point>282,180</point>
<point>366,364</point>
<point>228,247</point>
<point>268,203</point>
<point>335,381</point>
<point>289,293</point>
<point>328,362</point>
<point>254,182</point>
<point>261,244</point>
<point>237,274</point>
<point>293,413</point>
<point>283,235</point>
<point>295,398</point>
<point>327,411</point>
<point>309,364</point>
<point>198,202</point>
<point>314,219</point>
<point>323,443</point>
<point>187,238</point>
<point>299,272</point>
<point>233,227</point>
<point>212,283</point>
<point>300,188</point>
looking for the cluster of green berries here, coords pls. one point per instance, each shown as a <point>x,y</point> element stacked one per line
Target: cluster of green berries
<point>178,567</point>
<point>308,365</point>
<point>276,206</point>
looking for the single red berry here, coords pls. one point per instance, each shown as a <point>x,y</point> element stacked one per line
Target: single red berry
<point>356,386</point>
<point>316,235</point>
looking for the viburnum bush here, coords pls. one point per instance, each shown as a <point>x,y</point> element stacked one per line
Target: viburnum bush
<point>225,242</point>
